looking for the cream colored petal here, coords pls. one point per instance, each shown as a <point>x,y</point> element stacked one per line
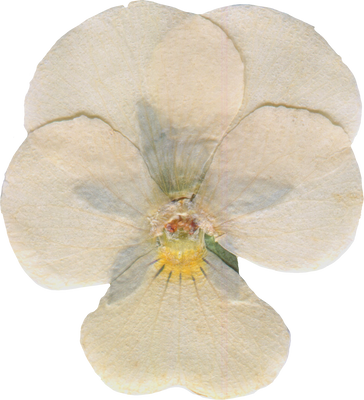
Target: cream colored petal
<point>169,81</point>
<point>201,328</point>
<point>76,196</point>
<point>195,84</point>
<point>285,190</point>
<point>98,68</point>
<point>287,63</point>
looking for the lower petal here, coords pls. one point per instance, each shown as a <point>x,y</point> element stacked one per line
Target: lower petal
<point>200,327</point>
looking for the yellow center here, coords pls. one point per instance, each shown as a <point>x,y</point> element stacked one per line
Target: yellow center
<point>181,256</point>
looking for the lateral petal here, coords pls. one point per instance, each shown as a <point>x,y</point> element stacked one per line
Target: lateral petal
<point>285,189</point>
<point>76,194</point>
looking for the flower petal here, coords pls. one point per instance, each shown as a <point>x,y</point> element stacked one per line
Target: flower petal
<point>77,194</point>
<point>287,63</point>
<point>195,90</point>
<point>207,332</point>
<point>285,189</point>
<point>98,68</point>
<point>169,81</point>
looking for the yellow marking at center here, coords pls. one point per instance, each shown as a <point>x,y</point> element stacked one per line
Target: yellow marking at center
<point>181,257</point>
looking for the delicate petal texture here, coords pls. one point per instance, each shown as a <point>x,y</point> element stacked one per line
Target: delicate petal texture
<point>206,331</point>
<point>241,119</point>
<point>170,81</point>
<point>196,86</point>
<point>76,194</point>
<point>98,68</point>
<point>128,278</point>
<point>290,197</point>
<point>287,63</point>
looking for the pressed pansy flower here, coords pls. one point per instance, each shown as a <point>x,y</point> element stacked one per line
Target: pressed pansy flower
<point>156,137</point>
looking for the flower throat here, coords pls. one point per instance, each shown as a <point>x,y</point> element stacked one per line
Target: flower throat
<point>181,249</point>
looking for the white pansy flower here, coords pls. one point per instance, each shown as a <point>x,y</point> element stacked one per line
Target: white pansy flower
<point>152,131</point>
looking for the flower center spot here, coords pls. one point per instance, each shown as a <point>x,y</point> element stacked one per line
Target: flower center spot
<point>186,224</point>
<point>181,249</point>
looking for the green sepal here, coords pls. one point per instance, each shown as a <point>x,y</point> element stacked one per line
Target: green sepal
<point>232,260</point>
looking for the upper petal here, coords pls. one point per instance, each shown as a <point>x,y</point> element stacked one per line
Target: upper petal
<point>76,194</point>
<point>195,89</point>
<point>170,81</point>
<point>285,189</point>
<point>99,67</point>
<point>286,62</point>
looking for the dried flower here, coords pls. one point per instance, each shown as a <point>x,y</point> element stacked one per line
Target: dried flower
<point>154,134</point>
